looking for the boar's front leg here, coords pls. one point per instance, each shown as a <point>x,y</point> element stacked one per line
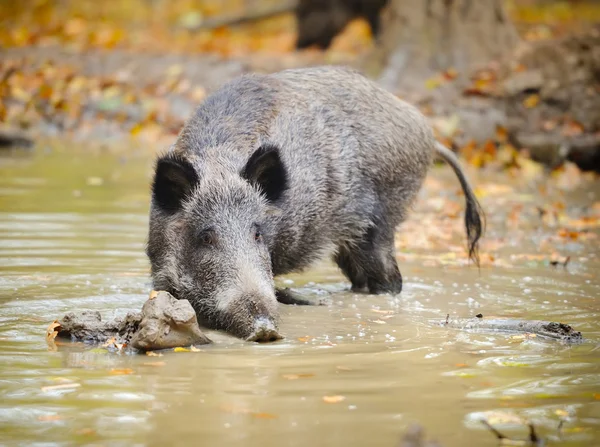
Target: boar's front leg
<point>371,262</point>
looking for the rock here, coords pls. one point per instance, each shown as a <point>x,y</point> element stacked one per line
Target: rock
<point>167,323</point>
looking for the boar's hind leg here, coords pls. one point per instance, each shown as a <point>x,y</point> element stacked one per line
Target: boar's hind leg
<point>371,262</point>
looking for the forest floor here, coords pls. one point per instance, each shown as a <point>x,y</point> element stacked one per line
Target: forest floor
<point>128,74</point>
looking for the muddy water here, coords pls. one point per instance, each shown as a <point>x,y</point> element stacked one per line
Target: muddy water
<point>357,372</point>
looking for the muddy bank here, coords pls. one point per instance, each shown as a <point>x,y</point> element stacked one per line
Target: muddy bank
<point>164,322</point>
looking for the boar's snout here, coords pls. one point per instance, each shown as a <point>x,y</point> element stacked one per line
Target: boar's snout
<point>264,331</point>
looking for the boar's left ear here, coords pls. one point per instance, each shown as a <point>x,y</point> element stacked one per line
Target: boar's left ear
<point>174,180</point>
<point>266,170</point>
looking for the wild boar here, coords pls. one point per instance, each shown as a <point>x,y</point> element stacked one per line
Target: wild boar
<point>273,172</point>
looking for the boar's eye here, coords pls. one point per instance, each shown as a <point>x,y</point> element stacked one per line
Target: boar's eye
<point>208,237</point>
<point>258,237</point>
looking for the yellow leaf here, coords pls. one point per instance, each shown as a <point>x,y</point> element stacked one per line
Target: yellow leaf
<point>333,399</point>
<point>180,349</point>
<point>531,101</point>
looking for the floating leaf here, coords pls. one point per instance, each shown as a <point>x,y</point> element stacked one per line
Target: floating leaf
<point>264,415</point>
<point>333,399</point>
<point>49,417</point>
<point>297,376</point>
<point>121,371</point>
<point>62,386</point>
<point>181,349</point>
<point>154,363</point>
<point>52,330</point>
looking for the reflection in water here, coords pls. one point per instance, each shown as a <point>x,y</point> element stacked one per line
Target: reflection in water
<point>68,243</point>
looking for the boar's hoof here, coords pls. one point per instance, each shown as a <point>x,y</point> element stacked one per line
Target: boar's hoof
<point>264,331</point>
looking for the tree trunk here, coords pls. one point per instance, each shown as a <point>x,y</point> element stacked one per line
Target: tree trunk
<point>422,38</point>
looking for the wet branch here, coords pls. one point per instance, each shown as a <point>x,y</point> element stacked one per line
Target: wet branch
<point>281,7</point>
<point>548,329</point>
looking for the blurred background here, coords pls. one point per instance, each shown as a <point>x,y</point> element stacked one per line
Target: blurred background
<point>90,90</point>
<point>499,79</point>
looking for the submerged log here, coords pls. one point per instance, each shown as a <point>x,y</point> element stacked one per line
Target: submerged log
<point>547,329</point>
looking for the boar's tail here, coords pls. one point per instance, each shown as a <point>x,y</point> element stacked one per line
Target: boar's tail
<point>474,216</point>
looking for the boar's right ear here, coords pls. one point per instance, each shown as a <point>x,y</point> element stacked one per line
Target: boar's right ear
<point>174,180</point>
<point>266,170</point>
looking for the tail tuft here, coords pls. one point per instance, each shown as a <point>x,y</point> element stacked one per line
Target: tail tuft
<point>474,215</point>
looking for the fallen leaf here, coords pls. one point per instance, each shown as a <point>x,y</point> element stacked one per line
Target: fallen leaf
<point>121,371</point>
<point>297,376</point>
<point>63,386</point>
<point>85,432</point>
<point>382,311</point>
<point>304,339</point>
<point>333,399</point>
<point>111,341</point>
<point>531,101</point>
<point>264,416</point>
<point>461,365</point>
<point>181,349</point>
<point>51,333</point>
<point>154,363</point>
<point>49,417</point>
<point>153,294</point>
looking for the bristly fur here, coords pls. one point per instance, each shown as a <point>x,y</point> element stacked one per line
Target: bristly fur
<point>273,172</point>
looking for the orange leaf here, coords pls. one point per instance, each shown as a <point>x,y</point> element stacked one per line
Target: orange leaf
<point>121,372</point>
<point>52,330</point>
<point>49,417</point>
<point>264,416</point>
<point>304,339</point>
<point>501,134</point>
<point>333,399</point>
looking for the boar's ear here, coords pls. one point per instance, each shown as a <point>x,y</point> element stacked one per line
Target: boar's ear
<point>174,180</point>
<point>265,170</point>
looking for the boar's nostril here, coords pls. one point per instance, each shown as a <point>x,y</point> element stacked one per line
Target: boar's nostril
<point>264,331</point>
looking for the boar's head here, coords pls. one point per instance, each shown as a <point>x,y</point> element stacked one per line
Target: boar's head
<point>211,226</point>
